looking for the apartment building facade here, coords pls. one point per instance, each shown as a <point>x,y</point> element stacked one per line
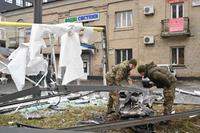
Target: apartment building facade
<point>162,31</point>
<point>7,5</point>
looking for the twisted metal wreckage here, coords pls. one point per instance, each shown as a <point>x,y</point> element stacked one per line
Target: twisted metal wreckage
<point>135,109</point>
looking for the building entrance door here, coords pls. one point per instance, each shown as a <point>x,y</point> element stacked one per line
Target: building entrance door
<point>86,69</point>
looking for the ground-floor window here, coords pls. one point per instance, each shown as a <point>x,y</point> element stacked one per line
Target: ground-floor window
<point>178,56</point>
<point>122,55</point>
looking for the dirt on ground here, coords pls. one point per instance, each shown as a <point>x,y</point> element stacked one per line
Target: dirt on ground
<point>73,115</point>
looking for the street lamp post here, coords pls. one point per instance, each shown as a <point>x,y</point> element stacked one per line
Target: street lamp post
<point>37,11</point>
<point>37,19</point>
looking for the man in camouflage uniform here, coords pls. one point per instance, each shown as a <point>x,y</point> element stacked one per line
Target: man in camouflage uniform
<point>118,73</point>
<point>162,79</point>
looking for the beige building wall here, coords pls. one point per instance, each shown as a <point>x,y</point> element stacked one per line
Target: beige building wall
<point>128,38</point>
<point>160,53</point>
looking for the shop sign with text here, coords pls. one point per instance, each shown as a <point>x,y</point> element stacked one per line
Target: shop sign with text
<point>84,18</point>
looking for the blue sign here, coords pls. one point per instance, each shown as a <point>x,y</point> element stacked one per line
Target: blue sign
<point>89,17</point>
<point>84,18</point>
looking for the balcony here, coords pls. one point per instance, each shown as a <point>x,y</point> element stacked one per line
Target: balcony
<point>175,27</point>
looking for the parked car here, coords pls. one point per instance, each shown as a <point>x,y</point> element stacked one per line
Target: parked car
<point>146,82</point>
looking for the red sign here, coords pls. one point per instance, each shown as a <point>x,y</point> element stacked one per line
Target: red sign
<point>175,1</point>
<point>176,24</point>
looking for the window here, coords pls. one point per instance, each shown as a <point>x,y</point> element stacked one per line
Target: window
<point>19,3</point>
<point>9,1</point>
<point>28,3</point>
<point>21,35</point>
<point>2,34</point>
<point>178,56</point>
<point>124,19</point>
<point>123,54</point>
<point>177,10</point>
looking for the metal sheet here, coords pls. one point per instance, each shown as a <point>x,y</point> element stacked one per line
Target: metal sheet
<point>31,91</point>
<point>28,130</point>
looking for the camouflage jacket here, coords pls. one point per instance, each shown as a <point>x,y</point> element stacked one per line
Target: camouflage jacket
<point>120,71</point>
<point>161,77</point>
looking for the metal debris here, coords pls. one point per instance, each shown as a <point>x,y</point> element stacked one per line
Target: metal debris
<point>194,93</point>
<point>137,106</point>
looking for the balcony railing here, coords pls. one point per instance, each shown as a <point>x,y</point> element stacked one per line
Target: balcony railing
<point>175,27</point>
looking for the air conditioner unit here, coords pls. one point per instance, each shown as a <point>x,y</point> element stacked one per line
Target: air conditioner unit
<point>148,40</point>
<point>148,10</point>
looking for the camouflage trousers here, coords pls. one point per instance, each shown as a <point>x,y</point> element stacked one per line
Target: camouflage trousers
<point>113,101</point>
<point>169,95</point>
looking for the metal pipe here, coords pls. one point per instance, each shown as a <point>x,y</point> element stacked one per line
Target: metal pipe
<point>37,11</point>
<point>17,24</point>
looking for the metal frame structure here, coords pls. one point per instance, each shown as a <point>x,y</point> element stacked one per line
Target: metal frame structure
<point>51,38</point>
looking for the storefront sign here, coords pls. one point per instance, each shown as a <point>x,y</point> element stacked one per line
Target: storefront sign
<point>71,19</point>
<point>175,1</point>
<point>176,24</point>
<point>195,2</point>
<point>84,18</point>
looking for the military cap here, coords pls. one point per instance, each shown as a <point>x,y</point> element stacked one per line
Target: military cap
<point>141,68</point>
<point>133,61</point>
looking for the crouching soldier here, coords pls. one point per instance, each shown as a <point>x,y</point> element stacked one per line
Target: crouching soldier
<point>118,73</point>
<point>162,79</point>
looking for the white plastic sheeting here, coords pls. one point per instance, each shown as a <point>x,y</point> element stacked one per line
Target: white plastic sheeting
<point>28,59</point>
<point>70,51</point>
<point>18,67</point>
<point>87,33</point>
<point>70,57</point>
